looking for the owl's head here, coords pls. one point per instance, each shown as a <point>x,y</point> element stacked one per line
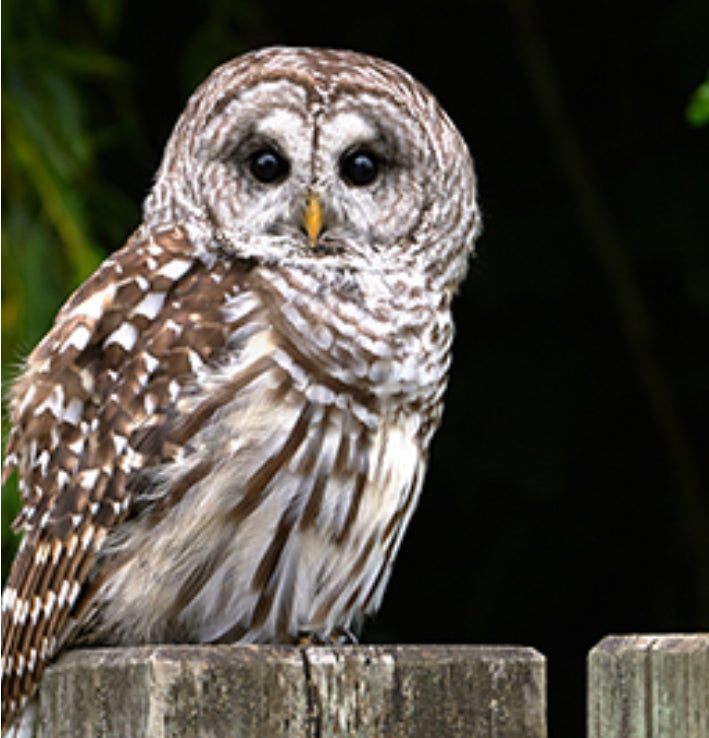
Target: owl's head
<point>296,155</point>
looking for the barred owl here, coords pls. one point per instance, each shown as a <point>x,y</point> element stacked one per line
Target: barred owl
<point>224,435</point>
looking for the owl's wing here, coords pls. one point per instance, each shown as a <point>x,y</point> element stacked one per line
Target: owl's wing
<point>115,359</point>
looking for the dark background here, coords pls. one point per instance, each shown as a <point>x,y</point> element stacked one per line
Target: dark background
<point>567,494</point>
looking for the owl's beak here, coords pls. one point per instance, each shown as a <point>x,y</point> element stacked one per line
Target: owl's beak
<point>313,218</point>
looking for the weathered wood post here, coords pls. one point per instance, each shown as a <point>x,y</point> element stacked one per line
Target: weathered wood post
<point>267,691</point>
<point>649,687</point>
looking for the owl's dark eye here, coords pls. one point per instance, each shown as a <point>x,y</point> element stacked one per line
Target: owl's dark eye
<point>359,168</point>
<point>268,166</point>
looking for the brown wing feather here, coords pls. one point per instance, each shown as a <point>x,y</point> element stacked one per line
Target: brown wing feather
<point>103,377</point>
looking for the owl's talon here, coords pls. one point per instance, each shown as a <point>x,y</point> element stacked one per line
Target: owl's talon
<point>340,636</point>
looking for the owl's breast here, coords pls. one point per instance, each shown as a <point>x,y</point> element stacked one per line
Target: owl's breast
<point>382,341</point>
<point>282,515</point>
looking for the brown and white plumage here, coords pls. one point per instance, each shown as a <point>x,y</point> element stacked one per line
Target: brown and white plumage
<point>224,434</point>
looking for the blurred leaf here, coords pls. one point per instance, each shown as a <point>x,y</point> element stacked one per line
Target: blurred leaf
<point>698,108</point>
<point>106,13</point>
<point>37,152</point>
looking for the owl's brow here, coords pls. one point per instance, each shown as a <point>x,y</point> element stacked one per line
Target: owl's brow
<point>312,94</point>
<point>353,89</point>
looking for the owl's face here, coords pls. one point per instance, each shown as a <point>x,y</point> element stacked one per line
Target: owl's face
<point>303,154</point>
<point>301,177</point>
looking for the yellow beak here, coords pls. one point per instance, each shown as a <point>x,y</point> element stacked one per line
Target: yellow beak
<point>313,218</point>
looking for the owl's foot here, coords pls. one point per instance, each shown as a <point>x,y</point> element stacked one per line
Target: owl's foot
<point>340,636</point>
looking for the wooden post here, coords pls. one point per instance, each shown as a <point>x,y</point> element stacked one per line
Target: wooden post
<point>649,687</point>
<point>267,691</point>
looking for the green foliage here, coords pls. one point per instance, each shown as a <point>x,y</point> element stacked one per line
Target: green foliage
<point>698,108</point>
